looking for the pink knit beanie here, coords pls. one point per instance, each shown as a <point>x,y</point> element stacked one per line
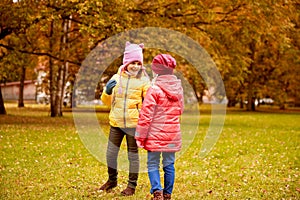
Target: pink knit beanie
<point>133,52</point>
<point>163,64</point>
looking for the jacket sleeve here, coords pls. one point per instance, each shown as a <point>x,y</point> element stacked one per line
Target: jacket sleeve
<point>146,87</point>
<point>105,98</point>
<point>146,115</point>
<point>181,103</point>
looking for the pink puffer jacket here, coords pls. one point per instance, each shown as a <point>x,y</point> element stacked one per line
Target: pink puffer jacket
<point>158,127</point>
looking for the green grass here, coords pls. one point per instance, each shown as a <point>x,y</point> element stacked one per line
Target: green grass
<point>256,157</point>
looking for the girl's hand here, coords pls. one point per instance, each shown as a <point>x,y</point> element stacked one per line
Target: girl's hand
<point>109,86</point>
<point>140,144</point>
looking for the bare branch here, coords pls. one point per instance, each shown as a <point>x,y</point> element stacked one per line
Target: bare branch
<point>39,54</point>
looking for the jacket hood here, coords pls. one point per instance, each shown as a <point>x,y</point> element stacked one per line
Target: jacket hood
<point>171,86</point>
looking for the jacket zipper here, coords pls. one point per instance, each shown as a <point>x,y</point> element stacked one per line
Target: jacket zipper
<point>125,101</point>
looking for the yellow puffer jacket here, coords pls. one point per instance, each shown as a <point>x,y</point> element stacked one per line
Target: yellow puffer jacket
<point>126,99</point>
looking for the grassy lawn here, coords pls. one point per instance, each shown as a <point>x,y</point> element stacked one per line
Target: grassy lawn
<point>256,157</point>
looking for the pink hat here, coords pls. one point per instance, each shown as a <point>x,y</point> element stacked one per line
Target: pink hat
<point>133,52</point>
<point>163,64</point>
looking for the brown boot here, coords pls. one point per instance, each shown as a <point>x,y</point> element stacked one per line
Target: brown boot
<point>128,191</point>
<point>167,196</point>
<point>108,186</point>
<point>158,195</point>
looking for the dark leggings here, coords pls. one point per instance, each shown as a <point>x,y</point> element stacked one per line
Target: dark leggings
<point>116,136</point>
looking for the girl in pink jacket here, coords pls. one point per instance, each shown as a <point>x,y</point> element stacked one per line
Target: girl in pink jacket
<point>158,129</point>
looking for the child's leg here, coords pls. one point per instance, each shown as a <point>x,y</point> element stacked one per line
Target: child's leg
<point>169,171</point>
<point>153,171</point>
<point>114,142</point>
<point>133,157</point>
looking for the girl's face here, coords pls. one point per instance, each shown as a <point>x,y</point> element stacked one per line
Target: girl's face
<point>134,67</point>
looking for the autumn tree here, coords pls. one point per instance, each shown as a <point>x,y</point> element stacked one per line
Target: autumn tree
<point>250,45</point>
<point>45,33</point>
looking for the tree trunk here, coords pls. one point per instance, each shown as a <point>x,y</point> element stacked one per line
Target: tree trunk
<point>250,96</point>
<point>51,73</point>
<point>59,91</point>
<point>58,77</point>
<point>21,89</point>
<point>2,107</point>
<point>250,91</point>
<point>250,99</point>
<point>54,108</point>
<point>73,95</point>
<point>66,25</point>
<point>242,103</point>
<point>55,94</point>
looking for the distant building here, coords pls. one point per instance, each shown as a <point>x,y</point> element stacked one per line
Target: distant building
<point>10,91</point>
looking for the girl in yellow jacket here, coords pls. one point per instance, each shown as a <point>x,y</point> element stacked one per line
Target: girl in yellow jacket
<point>124,93</point>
